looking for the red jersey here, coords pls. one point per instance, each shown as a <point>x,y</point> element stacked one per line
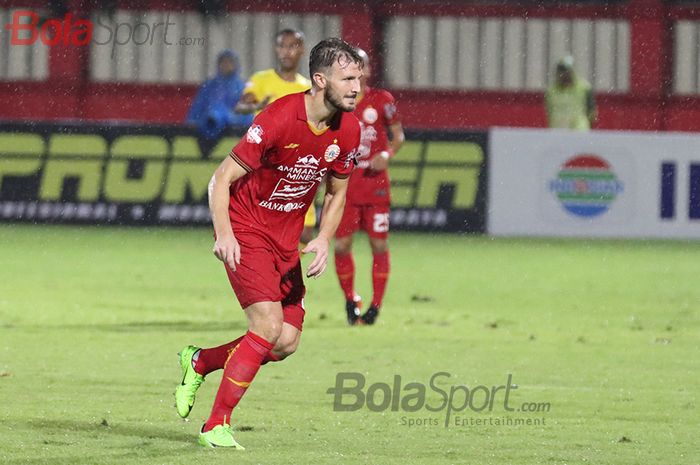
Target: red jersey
<point>376,111</point>
<point>286,160</point>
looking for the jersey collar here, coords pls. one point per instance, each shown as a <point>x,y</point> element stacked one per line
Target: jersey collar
<point>301,115</point>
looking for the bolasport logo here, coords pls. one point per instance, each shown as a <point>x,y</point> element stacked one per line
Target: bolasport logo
<point>349,395</point>
<point>27,27</point>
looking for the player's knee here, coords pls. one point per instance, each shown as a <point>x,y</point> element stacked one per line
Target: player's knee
<point>286,346</point>
<point>287,349</point>
<point>343,246</point>
<point>269,328</point>
<point>379,246</point>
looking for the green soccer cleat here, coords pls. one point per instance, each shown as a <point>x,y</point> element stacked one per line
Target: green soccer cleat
<point>191,380</point>
<point>219,436</point>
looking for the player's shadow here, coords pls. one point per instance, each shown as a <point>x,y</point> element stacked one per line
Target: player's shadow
<point>71,460</point>
<point>157,326</point>
<point>97,429</point>
<point>55,435</point>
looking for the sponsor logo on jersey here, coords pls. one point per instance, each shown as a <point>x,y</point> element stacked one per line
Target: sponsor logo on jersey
<point>305,169</point>
<point>332,152</point>
<point>254,134</point>
<point>309,161</point>
<point>282,207</point>
<point>370,115</point>
<point>294,173</point>
<point>287,190</point>
<point>368,134</point>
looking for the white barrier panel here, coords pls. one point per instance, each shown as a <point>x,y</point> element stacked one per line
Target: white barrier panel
<point>596,184</point>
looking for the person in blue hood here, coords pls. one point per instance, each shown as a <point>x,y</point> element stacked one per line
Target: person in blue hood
<point>212,109</point>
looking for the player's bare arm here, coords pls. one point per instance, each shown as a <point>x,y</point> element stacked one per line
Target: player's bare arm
<point>381,161</point>
<point>250,104</point>
<point>333,205</point>
<point>397,136</point>
<point>226,247</point>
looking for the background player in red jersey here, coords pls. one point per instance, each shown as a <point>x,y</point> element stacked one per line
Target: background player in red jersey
<point>258,197</point>
<point>368,198</point>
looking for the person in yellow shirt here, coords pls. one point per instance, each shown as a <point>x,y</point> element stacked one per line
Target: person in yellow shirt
<point>569,101</point>
<point>268,85</point>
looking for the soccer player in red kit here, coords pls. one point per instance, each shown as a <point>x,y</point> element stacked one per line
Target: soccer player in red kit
<point>258,197</point>
<point>368,199</point>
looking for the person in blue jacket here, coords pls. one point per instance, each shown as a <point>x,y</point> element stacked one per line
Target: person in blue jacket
<point>212,109</point>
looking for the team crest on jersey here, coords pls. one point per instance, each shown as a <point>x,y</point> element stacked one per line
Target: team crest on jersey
<point>332,152</point>
<point>254,134</point>
<point>370,115</point>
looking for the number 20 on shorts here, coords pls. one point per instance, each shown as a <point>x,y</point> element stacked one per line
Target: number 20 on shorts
<point>381,222</point>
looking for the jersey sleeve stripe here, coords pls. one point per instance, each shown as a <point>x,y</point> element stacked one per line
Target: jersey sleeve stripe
<point>240,162</point>
<point>340,175</point>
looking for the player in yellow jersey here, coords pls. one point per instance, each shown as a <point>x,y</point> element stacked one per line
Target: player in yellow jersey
<point>268,85</point>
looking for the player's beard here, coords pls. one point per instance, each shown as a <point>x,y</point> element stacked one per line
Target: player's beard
<point>336,100</point>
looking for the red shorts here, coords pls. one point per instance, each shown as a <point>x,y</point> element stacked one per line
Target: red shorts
<point>267,276</point>
<point>373,219</point>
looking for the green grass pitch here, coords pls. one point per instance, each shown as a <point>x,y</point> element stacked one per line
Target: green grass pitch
<point>607,333</point>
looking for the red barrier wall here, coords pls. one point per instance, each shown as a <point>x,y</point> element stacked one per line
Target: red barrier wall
<point>649,105</point>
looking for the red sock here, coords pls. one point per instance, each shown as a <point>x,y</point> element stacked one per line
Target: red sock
<point>270,357</point>
<point>345,269</point>
<point>214,359</point>
<point>239,371</point>
<point>380,275</point>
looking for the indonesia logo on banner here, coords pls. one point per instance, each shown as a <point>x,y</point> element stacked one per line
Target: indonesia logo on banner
<point>586,185</point>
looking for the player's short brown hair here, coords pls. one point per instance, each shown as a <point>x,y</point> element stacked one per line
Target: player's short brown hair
<point>329,51</point>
